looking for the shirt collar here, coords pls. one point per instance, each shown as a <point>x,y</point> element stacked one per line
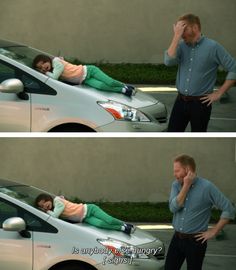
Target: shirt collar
<point>194,182</point>
<point>198,42</point>
<point>202,37</point>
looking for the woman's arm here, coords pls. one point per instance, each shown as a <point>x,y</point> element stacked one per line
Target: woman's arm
<point>59,207</point>
<point>58,68</point>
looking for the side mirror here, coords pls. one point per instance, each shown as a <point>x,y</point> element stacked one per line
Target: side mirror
<point>11,86</point>
<point>14,224</point>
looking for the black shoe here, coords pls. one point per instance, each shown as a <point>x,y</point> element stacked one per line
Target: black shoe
<point>128,92</point>
<point>130,86</point>
<point>128,229</point>
<point>133,228</point>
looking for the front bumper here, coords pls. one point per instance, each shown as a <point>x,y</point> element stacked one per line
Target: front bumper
<point>125,126</point>
<point>157,114</point>
<point>144,264</point>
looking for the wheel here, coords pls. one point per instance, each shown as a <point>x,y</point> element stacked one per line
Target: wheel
<point>71,128</point>
<point>73,266</point>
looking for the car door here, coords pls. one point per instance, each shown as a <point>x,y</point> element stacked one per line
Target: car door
<point>14,112</point>
<point>45,240</point>
<point>15,250</point>
<point>27,250</point>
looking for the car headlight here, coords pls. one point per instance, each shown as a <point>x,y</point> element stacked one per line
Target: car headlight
<point>122,249</point>
<point>123,112</point>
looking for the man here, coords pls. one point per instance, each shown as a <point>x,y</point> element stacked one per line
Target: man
<point>198,59</point>
<point>191,201</point>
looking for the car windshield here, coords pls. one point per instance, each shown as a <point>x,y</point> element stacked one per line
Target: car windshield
<point>21,54</point>
<point>26,194</point>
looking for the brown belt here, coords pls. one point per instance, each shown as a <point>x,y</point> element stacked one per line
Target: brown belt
<point>189,98</point>
<point>186,235</point>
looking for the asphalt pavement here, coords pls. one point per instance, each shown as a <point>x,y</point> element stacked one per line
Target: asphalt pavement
<point>221,251</point>
<point>223,117</point>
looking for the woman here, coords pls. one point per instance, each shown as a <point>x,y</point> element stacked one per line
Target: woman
<point>87,213</point>
<point>90,75</point>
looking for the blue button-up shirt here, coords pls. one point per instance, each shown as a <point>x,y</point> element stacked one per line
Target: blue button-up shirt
<point>198,65</point>
<point>195,214</point>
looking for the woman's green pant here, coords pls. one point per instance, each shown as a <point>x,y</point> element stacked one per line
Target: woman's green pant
<point>96,78</point>
<point>97,217</point>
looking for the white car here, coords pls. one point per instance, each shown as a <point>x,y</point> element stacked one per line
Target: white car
<point>32,102</point>
<point>33,240</point>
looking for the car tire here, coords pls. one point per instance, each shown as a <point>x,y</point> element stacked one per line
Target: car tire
<point>71,128</point>
<point>69,266</point>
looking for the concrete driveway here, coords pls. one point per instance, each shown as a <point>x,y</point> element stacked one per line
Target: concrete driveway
<point>221,251</point>
<point>223,117</point>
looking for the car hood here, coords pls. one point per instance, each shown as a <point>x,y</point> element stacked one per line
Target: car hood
<point>139,100</point>
<point>138,238</point>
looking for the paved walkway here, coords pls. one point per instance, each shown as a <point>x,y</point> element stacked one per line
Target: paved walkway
<point>223,118</point>
<point>221,251</point>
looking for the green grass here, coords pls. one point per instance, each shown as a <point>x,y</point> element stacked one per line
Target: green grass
<point>143,73</point>
<point>143,211</point>
<point>138,212</point>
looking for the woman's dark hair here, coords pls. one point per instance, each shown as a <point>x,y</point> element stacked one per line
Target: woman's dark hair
<point>41,57</point>
<point>42,196</point>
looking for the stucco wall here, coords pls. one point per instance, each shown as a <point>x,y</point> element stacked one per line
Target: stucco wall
<point>115,169</point>
<point>134,31</point>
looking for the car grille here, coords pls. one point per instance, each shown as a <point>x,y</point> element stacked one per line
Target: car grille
<point>161,120</point>
<point>157,244</point>
<point>160,256</point>
<point>157,111</point>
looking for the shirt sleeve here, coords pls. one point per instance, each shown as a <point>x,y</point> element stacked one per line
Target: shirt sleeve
<point>173,61</point>
<point>59,207</point>
<point>58,68</point>
<point>226,61</point>
<point>170,61</point>
<point>173,204</point>
<point>221,202</point>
